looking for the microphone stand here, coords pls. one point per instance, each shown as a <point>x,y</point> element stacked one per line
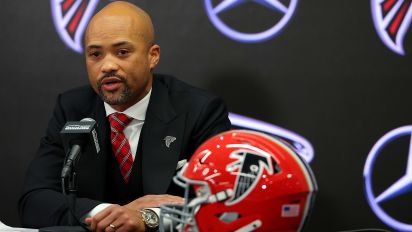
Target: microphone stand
<point>69,173</point>
<point>69,190</point>
<point>71,198</point>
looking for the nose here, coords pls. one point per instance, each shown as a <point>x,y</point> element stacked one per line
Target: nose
<point>109,65</point>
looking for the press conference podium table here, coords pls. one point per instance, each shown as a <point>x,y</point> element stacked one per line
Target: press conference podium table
<point>5,228</point>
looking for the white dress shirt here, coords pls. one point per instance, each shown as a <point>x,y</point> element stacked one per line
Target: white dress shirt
<point>131,132</point>
<point>133,129</point>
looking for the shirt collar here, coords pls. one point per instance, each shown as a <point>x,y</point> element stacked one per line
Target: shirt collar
<point>136,111</point>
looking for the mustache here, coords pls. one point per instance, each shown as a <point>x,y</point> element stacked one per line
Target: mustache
<point>107,75</point>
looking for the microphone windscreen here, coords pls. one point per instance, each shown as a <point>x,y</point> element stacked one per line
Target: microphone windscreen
<point>82,133</point>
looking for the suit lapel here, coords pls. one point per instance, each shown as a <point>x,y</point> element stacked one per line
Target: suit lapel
<point>162,135</point>
<point>159,157</point>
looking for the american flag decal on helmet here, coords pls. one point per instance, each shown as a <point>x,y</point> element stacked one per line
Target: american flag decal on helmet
<point>392,19</point>
<point>70,18</point>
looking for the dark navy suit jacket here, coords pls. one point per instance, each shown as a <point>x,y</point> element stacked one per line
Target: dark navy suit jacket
<point>175,109</point>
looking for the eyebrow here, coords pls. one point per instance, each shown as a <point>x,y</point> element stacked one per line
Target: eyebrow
<point>93,46</point>
<point>120,43</point>
<point>117,44</point>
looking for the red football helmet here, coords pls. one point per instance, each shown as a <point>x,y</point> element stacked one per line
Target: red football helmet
<point>242,181</point>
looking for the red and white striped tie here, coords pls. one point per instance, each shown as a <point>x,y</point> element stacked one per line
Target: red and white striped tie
<point>120,145</point>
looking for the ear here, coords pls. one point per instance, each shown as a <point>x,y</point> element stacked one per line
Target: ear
<point>154,56</point>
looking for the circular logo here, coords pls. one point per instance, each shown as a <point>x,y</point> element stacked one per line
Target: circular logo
<point>401,186</point>
<point>275,5</point>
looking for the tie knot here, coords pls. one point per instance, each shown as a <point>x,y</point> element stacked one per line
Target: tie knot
<point>119,121</point>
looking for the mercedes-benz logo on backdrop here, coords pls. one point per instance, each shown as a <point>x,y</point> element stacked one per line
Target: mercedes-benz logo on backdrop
<point>399,188</point>
<point>285,10</point>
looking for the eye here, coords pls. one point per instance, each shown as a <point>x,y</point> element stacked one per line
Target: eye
<point>123,52</point>
<point>95,54</point>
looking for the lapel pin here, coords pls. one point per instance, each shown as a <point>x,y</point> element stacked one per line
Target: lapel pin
<point>168,140</point>
<point>181,163</point>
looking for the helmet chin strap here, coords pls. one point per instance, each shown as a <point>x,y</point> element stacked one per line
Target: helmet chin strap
<point>251,226</point>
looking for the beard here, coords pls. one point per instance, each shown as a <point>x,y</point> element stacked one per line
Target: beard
<point>120,97</point>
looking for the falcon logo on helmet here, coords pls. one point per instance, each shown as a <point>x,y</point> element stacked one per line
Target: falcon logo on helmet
<point>248,168</point>
<point>392,20</point>
<point>70,18</point>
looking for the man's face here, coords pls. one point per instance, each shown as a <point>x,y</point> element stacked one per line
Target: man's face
<point>119,60</point>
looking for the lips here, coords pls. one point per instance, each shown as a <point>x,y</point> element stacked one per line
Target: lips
<point>111,83</point>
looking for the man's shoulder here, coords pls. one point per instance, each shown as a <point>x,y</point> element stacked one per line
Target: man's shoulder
<point>179,88</point>
<point>78,99</point>
<point>182,97</point>
<point>79,93</point>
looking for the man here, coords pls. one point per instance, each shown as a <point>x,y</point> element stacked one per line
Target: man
<point>163,121</point>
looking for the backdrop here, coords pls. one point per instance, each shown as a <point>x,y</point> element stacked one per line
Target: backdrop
<point>326,74</point>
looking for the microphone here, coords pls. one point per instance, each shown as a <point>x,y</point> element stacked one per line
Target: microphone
<point>76,136</point>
